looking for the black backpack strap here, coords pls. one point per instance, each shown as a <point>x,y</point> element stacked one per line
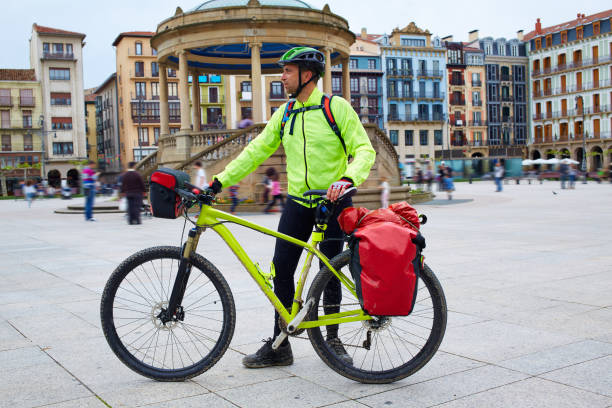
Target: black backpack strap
<point>286,116</point>
<point>327,112</point>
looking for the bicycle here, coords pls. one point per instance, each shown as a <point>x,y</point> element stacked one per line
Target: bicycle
<point>169,323</point>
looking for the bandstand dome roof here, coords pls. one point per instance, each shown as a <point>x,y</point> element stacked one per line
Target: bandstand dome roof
<point>212,4</point>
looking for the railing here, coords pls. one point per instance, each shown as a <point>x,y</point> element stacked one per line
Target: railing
<point>26,101</point>
<point>477,103</point>
<point>430,117</point>
<point>457,81</point>
<point>58,55</point>
<point>455,101</point>
<point>591,110</point>
<point>429,73</point>
<point>602,83</point>
<point>507,119</point>
<point>148,112</point>
<point>476,83</point>
<point>576,64</point>
<point>399,72</point>
<point>6,101</point>
<point>505,78</point>
<point>507,98</point>
<point>478,123</point>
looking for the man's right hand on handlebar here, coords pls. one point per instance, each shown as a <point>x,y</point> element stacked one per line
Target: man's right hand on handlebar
<point>337,188</point>
<point>214,187</point>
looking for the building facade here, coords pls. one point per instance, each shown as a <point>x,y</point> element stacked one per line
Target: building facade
<point>20,113</point>
<point>57,59</point>
<point>506,91</point>
<point>90,125</point>
<point>366,79</point>
<point>239,97</point>
<point>414,93</point>
<point>138,94</point>
<point>571,87</point>
<point>107,128</point>
<point>212,100</point>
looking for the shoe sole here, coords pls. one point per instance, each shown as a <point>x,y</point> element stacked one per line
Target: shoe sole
<point>279,364</point>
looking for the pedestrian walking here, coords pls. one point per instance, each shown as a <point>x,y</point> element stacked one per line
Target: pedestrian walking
<point>275,191</point>
<point>133,188</point>
<point>233,193</point>
<point>200,179</point>
<point>429,176</point>
<point>89,177</point>
<point>563,174</point>
<point>498,173</point>
<point>572,176</point>
<point>29,192</point>
<point>384,194</point>
<point>449,186</point>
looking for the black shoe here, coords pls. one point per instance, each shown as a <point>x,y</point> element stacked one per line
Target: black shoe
<point>336,345</point>
<point>267,357</point>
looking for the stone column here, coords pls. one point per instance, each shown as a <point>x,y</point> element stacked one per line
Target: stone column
<point>346,80</point>
<point>256,82</point>
<point>327,78</point>
<point>195,101</point>
<point>184,92</point>
<point>163,100</point>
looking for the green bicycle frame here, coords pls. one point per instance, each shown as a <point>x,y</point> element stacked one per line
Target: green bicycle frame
<point>210,218</point>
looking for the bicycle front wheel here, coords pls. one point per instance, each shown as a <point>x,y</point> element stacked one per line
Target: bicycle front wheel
<point>386,348</point>
<point>139,290</point>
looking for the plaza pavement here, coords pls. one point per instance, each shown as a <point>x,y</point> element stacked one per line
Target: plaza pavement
<point>527,275</point>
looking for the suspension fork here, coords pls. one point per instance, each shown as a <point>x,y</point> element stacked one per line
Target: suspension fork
<point>175,310</point>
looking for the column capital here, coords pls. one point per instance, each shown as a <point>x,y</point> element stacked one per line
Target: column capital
<point>255,44</point>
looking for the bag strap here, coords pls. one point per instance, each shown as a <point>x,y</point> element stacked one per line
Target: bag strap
<point>329,116</point>
<point>286,116</point>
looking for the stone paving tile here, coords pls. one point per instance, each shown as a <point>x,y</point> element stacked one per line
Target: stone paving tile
<point>149,392</point>
<point>558,357</point>
<point>199,401</point>
<point>56,327</point>
<point>296,393</point>
<point>11,338</point>
<point>447,388</point>
<point>594,375</point>
<point>531,393</point>
<point>22,358</point>
<point>91,402</point>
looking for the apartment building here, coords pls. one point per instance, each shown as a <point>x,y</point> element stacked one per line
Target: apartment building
<point>571,88</point>
<point>107,128</point>
<point>57,59</point>
<point>415,105</point>
<point>90,125</point>
<point>20,132</point>
<point>239,97</point>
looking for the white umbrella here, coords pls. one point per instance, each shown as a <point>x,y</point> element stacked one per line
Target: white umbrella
<point>569,161</point>
<point>527,162</point>
<point>554,160</point>
<point>539,161</point>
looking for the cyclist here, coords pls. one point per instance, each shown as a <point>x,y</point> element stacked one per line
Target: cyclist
<point>316,159</point>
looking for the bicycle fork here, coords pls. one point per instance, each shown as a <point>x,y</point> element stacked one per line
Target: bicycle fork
<point>175,311</point>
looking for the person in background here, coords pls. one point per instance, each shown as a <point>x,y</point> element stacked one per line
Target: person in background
<point>449,186</point>
<point>275,190</point>
<point>133,188</point>
<point>29,192</point>
<point>384,194</point>
<point>89,189</point>
<point>498,173</point>
<point>200,178</point>
<point>429,176</point>
<point>563,170</point>
<point>572,176</point>
<point>233,193</point>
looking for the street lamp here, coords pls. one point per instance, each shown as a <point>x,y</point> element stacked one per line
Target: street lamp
<point>584,167</point>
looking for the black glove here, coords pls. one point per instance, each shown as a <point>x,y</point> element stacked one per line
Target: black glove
<point>215,186</point>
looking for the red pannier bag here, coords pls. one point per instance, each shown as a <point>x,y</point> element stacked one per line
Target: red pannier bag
<point>386,257</point>
<point>165,202</point>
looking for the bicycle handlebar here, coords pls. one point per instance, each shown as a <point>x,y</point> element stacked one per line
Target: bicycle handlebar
<point>349,192</point>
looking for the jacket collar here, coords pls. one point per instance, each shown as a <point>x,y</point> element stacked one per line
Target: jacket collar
<point>313,99</point>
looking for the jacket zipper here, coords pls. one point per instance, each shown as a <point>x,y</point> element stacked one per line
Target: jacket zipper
<point>305,163</point>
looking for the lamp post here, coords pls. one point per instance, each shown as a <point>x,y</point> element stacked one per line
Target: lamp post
<point>42,142</point>
<point>584,166</point>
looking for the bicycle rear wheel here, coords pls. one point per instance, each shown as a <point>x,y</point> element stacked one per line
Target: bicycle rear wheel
<point>135,295</point>
<point>385,349</point>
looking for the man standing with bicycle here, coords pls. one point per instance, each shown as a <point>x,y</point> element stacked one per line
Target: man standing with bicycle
<point>318,148</point>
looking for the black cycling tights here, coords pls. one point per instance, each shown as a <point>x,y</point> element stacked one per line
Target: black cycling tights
<point>298,221</point>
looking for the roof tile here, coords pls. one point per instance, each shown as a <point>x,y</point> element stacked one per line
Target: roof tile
<point>568,24</point>
<point>49,30</point>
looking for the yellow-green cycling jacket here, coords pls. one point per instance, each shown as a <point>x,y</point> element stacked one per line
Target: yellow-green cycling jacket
<point>315,156</point>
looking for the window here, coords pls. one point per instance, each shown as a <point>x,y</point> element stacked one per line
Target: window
<point>372,85</point>
<point>174,130</point>
<point>27,118</point>
<point>408,137</point>
<point>353,63</point>
<point>548,41</point>
<point>68,49</point>
<point>141,90</point>
<point>143,136</point>
<point>58,48</point>
<point>215,79</point>
<point>276,90</point>
<point>371,63</point>
<point>27,142</point>
<point>171,73</point>
<point>154,69</point>
<point>246,112</point>
<point>563,37</point>
<point>245,86</point>
<point>139,68</point>
<point>538,43</point>
<point>355,85</point>
<point>393,137</point>
<point>59,74</point>
<point>423,136</point>
<point>6,143</point>
<point>172,90</point>
<point>438,137</point>
<point>46,48</point>
<point>58,123</point>
<point>155,90</point>
<point>60,148</point>
<point>579,33</point>
<point>596,29</point>
<point>138,48</point>
<point>155,136</point>
<point>213,94</point>
<point>26,97</point>
<point>412,42</point>
<point>6,119</point>
<point>61,98</point>
<point>336,84</point>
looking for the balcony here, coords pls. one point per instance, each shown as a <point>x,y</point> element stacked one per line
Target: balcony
<point>573,65</point>
<point>429,95</point>
<point>26,101</point>
<point>507,98</point>
<point>58,56</point>
<point>457,81</point>
<point>430,73</point>
<point>505,78</point>
<point>399,72</point>
<point>430,117</point>
<point>478,123</point>
<point>457,123</point>
<point>476,103</point>
<point>457,101</point>
<point>476,84</point>
<point>6,101</point>
<point>459,141</point>
<point>277,96</point>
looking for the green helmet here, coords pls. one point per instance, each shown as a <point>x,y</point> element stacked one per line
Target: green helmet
<point>305,57</point>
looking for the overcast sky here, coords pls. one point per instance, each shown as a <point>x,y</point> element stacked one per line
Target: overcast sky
<point>102,21</point>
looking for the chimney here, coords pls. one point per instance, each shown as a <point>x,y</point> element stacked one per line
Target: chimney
<point>448,38</point>
<point>364,34</point>
<point>519,35</point>
<point>538,27</point>
<point>473,36</point>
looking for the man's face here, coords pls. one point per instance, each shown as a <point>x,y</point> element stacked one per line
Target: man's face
<point>290,77</point>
